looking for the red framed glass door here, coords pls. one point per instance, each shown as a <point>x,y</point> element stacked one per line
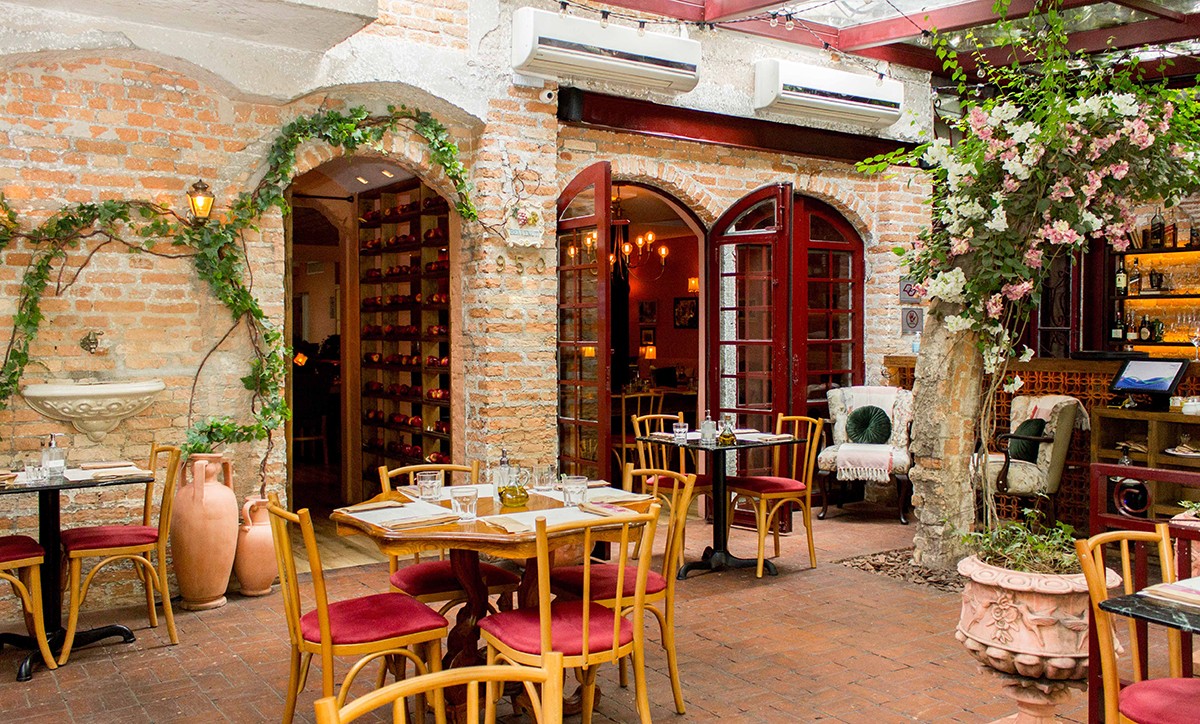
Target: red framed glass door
<point>584,343</point>
<point>748,299</point>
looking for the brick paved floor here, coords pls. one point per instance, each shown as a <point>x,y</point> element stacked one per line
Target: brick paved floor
<point>830,644</point>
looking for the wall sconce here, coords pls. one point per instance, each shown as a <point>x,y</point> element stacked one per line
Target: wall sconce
<point>693,285</point>
<point>649,352</point>
<point>200,199</point>
<point>588,351</point>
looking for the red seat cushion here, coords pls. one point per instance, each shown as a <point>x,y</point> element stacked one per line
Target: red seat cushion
<point>765,484</point>
<point>108,536</point>
<point>604,580</point>
<point>18,547</point>
<point>1161,701</point>
<point>431,577</point>
<point>521,630</point>
<point>373,618</point>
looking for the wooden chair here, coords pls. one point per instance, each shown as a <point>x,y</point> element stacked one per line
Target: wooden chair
<point>127,542</point>
<point>433,581</point>
<point>587,632</point>
<point>547,705</point>
<point>20,562</point>
<point>672,489</point>
<point>1144,701</point>
<point>633,404</point>
<point>662,456</point>
<point>370,627</point>
<point>791,484</point>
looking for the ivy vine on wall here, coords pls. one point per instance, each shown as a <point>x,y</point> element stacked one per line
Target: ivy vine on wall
<point>217,250</point>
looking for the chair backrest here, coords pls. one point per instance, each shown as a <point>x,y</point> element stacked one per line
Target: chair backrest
<point>623,531</point>
<point>798,461</point>
<point>654,454</point>
<point>895,401</point>
<point>675,491</point>
<point>547,705</point>
<point>1061,414</point>
<point>171,479</point>
<point>405,474</point>
<point>289,584</point>
<point>1091,557</point>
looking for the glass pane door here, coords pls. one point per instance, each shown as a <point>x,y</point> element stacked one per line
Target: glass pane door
<point>583,335</point>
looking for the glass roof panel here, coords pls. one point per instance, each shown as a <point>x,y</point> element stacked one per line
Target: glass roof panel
<point>848,13</point>
<point>1091,17</point>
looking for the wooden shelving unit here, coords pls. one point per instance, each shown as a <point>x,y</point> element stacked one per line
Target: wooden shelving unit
<point>1159,431</point>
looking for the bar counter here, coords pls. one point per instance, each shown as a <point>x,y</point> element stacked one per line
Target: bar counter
<point>1086,380</point>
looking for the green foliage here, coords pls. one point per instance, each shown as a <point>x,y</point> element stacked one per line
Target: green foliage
<point>1191,506</point>
<point>217,252</point>
<point>1027,545</point>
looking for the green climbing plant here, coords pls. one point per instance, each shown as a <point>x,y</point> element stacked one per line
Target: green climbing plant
<point>217,250</point>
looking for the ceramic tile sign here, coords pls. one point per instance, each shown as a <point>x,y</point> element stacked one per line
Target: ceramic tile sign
<point>912,320</point>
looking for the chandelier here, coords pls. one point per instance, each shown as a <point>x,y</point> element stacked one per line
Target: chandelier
<point>626,255</point>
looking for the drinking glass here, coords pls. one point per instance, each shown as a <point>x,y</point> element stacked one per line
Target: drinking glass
<point>429,483</point>
<point>462,501</point>
<point>681,430</point>
<point>1195,338</point>
<point>574,489</point>
<point>544,477</point>
<point>34,472</point>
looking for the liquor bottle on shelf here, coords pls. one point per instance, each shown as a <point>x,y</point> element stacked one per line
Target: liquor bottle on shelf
<point>1169,231</point>
<point>1144,332</point>
<point>1157,229</point>
<point>1156,279</point>
<point>1117,332</point>
<point>1121,280</point>
<point>1131,329</point>
<point>1134,284</point>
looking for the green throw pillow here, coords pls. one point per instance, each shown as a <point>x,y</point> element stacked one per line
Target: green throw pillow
<point>1027,450</point>
<point>869,425</point>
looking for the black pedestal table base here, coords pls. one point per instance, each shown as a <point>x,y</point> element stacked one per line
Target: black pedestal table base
<point>56,639</point>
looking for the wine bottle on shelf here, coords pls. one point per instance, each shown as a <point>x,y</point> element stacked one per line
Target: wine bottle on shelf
<point>1134,284</point>
<point>1155,278</point>
<point>1157,228</point>
<point>1131,330</point>
<point>1169,231</point>
<point>1144,333</point>
<point>1121,280</point>
<point>1117,332</point>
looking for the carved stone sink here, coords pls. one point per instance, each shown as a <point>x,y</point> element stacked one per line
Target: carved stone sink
<point>94,408</point>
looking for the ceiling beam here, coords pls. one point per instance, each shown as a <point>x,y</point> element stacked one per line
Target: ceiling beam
<point>947,19</point>
<point>717,10</point>
<point>1151,8</point>
<point>899,53</point>
<point>689,10</point>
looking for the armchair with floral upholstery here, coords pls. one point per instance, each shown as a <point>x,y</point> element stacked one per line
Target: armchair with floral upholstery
<point>871,427</point>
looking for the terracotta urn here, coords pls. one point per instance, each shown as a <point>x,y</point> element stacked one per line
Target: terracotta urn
<point>254,565</point>
<point>204,531</point>
<point>1028,624</point>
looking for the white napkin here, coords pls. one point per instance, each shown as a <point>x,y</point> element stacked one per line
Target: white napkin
<point>524,522</point>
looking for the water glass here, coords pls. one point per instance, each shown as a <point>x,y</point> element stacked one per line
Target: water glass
<point>34,472</point>
<point>429,483</point>
<point>681,430</point>
<point>574,489</point>
<point>544,477</point>
<point>462,501</point>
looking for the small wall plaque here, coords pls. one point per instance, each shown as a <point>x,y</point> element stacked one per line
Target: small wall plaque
<point>908,292</point>
<point>912,320</point>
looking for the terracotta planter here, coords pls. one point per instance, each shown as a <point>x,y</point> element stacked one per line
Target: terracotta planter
<point>204,532</point>
<point>1029,624</point>
<point>1189,520</point>
<point>254,565</point>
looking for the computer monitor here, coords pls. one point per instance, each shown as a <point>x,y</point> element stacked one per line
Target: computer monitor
<point>1155,377</point>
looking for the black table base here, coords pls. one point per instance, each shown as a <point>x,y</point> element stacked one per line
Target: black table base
<point>720,560</point>
<point>56,639</point>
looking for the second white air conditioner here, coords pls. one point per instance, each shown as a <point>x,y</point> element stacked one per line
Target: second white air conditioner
<point>826,93</point>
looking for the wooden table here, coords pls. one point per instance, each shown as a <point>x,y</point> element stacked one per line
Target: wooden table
<point>50,537</point>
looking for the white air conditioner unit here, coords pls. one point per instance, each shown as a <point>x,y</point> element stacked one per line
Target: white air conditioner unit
<point>549,45</point>
<point>832,95</point>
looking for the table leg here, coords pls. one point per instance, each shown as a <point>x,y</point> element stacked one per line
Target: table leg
<point>718,557</point>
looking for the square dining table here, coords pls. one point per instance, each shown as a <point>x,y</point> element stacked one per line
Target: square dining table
<point>50,538</point>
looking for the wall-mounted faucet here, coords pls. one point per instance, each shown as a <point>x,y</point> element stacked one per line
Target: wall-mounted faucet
<point>90,342</point>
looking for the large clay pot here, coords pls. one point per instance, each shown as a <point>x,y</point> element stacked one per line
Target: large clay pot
<point>255,565</point>
<point>1031,624</point>
<point>204,532</point>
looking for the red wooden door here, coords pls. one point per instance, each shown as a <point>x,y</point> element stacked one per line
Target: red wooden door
<point>583,331</point>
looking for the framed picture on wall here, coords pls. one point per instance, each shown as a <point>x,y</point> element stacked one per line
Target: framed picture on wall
<point>649,338</point>
<point>647,312</point>
<point>687,313</point>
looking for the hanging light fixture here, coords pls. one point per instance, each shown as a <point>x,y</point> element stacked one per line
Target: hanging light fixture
<point>200,200</point>
<point>629,255</point>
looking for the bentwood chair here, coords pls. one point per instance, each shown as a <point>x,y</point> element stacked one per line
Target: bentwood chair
<point>790,485</point>
<point>370,627</point>
<point>547,704</point>
<point>134,543</point>
<point>632,405</point>
<point>672,489</point>
<point>434,581</point>
<point>20,561</point>
<point>666,456</point>
<point>1144,701</point>
<point>587,632</point>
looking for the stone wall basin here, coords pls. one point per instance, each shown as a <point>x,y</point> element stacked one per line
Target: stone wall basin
<point>94,408</point>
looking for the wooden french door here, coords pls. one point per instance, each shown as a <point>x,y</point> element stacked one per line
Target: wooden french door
<point>584,343</point>
<point>748,322</point>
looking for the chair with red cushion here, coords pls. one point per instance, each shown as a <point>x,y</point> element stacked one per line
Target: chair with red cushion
<point>20,559</point>
<point>790,485</point>
<point>130,542</point>
<point>381,625</point>
<point>671,488</point>
<point>666,456</point>
<point>587,632</point>
<point>1174,700</point>
<point>434,581</point>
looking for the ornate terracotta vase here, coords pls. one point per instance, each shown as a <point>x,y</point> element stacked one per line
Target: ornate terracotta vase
<point>204,532</point>
<point>1029,624</point>
<point>254,565</point>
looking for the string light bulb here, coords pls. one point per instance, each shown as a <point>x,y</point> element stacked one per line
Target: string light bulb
<point>879,79</point>
<point>790,24</point>
<point>562,8</point>
<point>604,18</point>
<point>774,21</point>
<point>641,28</point>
